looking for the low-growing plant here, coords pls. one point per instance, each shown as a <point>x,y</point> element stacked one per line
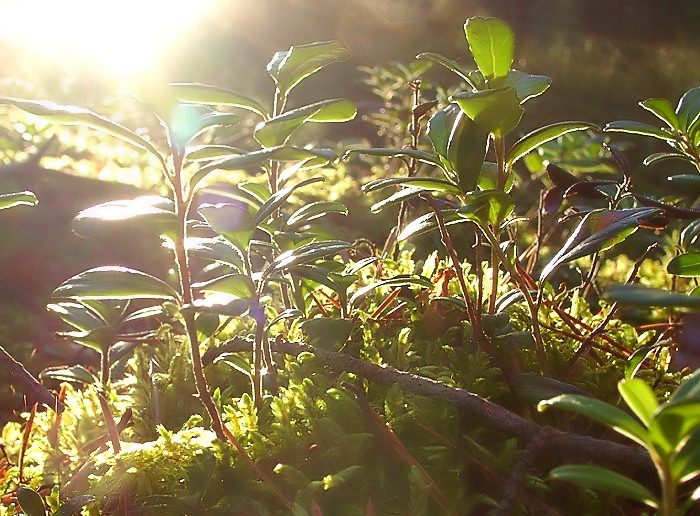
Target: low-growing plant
<point>282,370</point>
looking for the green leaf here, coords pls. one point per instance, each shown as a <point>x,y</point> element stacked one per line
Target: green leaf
<point>401,195</point>
<point>223,304</point>
<point>420,155</point>
<point>602,479</point>
<point>533,388</point>
<point>545,134</point>
<point>497,111</point>
<point>11,200</point>
<point>73,115</point>
<point>307,253</point>
<point>527,86</point>
<point>466,150</point>
<point>688,109</point>
<point>31,502</point>
<point>488,178</point>
<point>73,505</point>
<point>425,184</point>
<point>632,127</point>
<point>396,281</point>
<point>209,152</point>
<point>640,398</point>
<point>448,63</point>
<point>111,282</point>
<point>687,391</point>
<point>204,94</point>
<point>686,265</point>
<point>661,156</point>
<point>238,285</point>
<point>685,462</point>
<point>291,67</point>
<point>313,211</point>
<point>663,110</point>
<point>492,43</point>
<point>232,221</point>
<point>75,374</point>
<point>487,207</point>
<point>278,198</point>
<point>639,295</point>
<point>218,249</point>
<point>277,130</point>
<point>599,230</point>
<point>439,128</point>
<point>427,222</point>
<point>599,411</point>
<point>327,332</point>
<point>672,423</point>
<point>152,212</point>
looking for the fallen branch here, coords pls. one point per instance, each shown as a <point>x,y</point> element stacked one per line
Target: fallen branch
<point>563,444</point>
<point>35,392</point>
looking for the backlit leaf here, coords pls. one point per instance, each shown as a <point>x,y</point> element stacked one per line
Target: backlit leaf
<point>663,110</point>
<point>232,221</point>
<point>531,141</point>
<point>686,265</point>
<point>497,111</point>
<point>640,398</point>
<point>291,67</point>
<point>639,295</point>
<point>466,151</point>
<point>277,130</point>
<point>492,43</point>
<point>204,94</point>
<point>10,200</point>
<point>632,127</point>
<point>111,282</point>
<point>487,207</point>
<point>152,212</point>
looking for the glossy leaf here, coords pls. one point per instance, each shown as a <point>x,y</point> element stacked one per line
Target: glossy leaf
<point>217,249</point>
<point>598,411</point>
<point>685,463</point>
<point>307,253</point>
<point>278,198</point>
<point>74,374</point>
<point>527,86</point>
<point>420,155</point>
<point>31,502</point>
<point>77,315</point>
<point>73,115</point>
<point>663,110</point>
<point>204,94</point>
<point>598,230</point>
<point>420,183</point>
<point>232,221</point>
<point>687,391</point>
<point>662,156</point>
<point>639,295</point>
<point>223,304</point>
<point>532,388</point>
<point>327,332</point>
<point>602,479</point>
<point>540,136</point>
<point>396,281</point>
<point>11,200</point>
<point>153,212</point>
<point>688,109</point>
<point>686,265</point>
<point>238,285</point>
<point>427,222</point>
<point>313,211</point>
<point>74,505</point>
<point>488,178</point>
<point>497,111</point>
<point>492,44</point>
<point>291,67</point>
<point>111,282</point>
<point>640,398</point>
<point>440,126</point>
<point>448,63</point>
<point>672,423</point>
<point>466,151</point>
<point>632,127</point>
<point>277,130</point>
<point>401,195</point>
<point>210,152</point>
<point>487,207</point>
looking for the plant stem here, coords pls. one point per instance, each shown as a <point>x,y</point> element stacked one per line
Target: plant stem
<point>182,206</point>
<point>523,288</point>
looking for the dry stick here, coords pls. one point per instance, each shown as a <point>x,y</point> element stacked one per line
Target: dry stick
<point>109,422</point>
<point>586,344</point>
<point>524,288</point>
<point>564,443</point>
<point>389,437</point>
<point>34,391</point>
<point>546,509</point>
<point>25,441</point>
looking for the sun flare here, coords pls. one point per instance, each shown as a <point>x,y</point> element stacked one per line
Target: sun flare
<point>119,38</point>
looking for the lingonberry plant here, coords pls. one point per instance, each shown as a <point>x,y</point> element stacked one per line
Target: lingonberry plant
<point>281,370</point>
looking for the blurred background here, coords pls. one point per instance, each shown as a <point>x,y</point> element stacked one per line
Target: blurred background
<point>604,57</point>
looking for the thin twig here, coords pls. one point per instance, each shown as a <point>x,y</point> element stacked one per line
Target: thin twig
<point>34,391</point>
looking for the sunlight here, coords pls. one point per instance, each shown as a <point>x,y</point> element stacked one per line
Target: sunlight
<point>120,38</point>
